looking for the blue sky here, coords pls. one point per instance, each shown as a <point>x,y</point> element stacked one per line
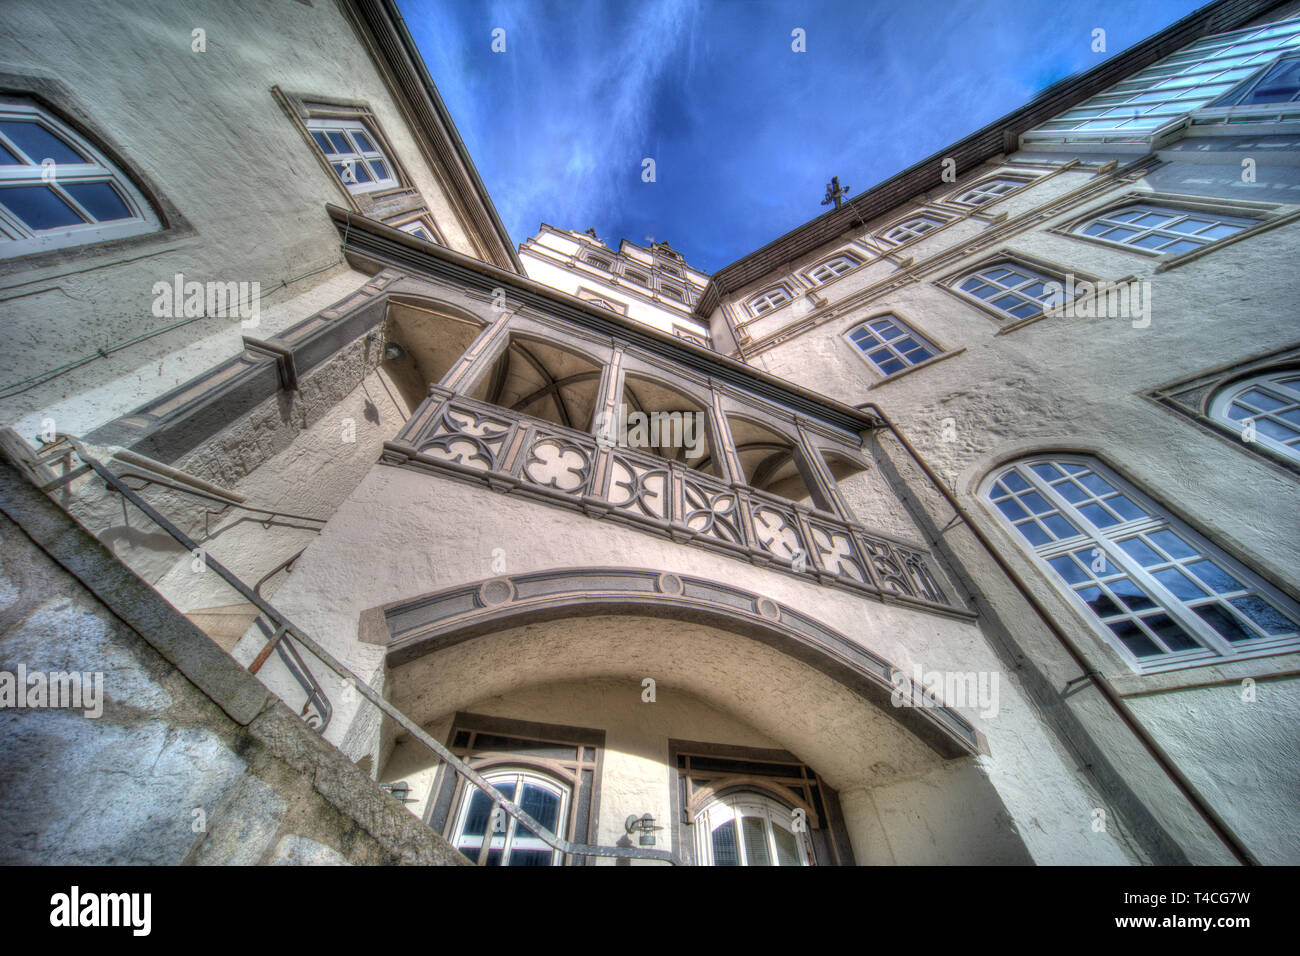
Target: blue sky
<point>745,133</point>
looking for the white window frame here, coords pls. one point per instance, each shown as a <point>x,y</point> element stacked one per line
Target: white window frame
<point>1015,291</point>
<point>357,154</point>
<point>769,299</point>
<point>831,269</point>
<point>1174,215</point>
<point>895,354</point>
<point>1271,383</point>
<point>16,237</point>
<point>989,190</point>
<point>907,230</point>
<point>735,806</point>
<point>1104,562</point>
<point>511,837</point>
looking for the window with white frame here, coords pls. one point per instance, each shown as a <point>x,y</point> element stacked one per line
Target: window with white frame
<point>417,227</point>
<point>490,837</point>
<point>768,300</point>
<point>833,268</point>
<point>57,190</point>
<point>672,291</point>
<point>1012,289</point>
<point>640,278</point>
<point>600,263</point>
<point>890,345</point>
<point>1162,230</point>
<point>350,147</point>
<point>1270,403</point>
<point>988,191</point>
<point>1161,594</point>
<point>913,228</point>
<point>748,829</point>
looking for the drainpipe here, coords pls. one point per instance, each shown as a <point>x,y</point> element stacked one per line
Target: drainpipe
<point>1117,703</point>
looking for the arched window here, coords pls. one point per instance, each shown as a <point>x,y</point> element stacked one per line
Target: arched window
<point>748,829</point>
<point>1012,289</point>
<point>1161,229</point>
<point>1161,594</point>
<point>56,189</point>
<point>599,263</point>
<point>768,300</point>
<point>1271,402</point>
<point>913,228</point>
<point>638,277</point>
<point>890,345</point>
<point>988,191</point>
<point>350,147</point>
<point>497,839</point>
<point>833,268</point>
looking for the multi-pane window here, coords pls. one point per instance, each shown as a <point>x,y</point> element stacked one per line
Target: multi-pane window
<point>600,263</point>
<point>1012,289</point>
<point>913,228</point>
<point>989,191</point>
<point>766,301</point>
<point>56,190</point>
<point>1280,83</point>
<point>1161,594</point>
<point>890,345</point>
<point>832,268</point>
<point>1185,81</point>
<point>638,277</point>
<point>1266,408</point>
<point>490,837</point>
<point>418,229</point>
<point>351,150</point>
<point>748,829</point>
<point>1163,230</point>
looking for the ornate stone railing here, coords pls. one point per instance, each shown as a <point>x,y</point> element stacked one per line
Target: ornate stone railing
<point>508,451</point>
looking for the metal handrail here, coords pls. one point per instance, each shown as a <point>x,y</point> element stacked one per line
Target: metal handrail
<point>285,630</point>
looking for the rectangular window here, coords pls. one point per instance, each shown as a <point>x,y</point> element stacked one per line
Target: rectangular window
<point>890,345</point>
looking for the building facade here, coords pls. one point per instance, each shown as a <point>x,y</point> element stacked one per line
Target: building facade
<point>952,527</point>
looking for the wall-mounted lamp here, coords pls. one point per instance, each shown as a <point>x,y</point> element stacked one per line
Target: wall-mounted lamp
<point>644,827</point>
<point>399,789</point>
<point>394,352</point>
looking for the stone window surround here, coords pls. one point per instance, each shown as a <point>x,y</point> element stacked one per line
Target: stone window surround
<point>93,168</point>
<point>857,259</point>
<point>1164,518</point>
<point>1190,397</point>
<point>949,281</point>
<point>1021,179</point>
<point>880,377</point>
<point>783,285</point>
<point>59,100</point>
<point>828,838</point>
<point>449,789</point>
<point>1267,215</point>
<point>1099,652</point>
<point>384,205</point>
<point>423,217</point>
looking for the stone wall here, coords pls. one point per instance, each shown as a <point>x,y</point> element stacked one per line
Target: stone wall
<point>192,760</point>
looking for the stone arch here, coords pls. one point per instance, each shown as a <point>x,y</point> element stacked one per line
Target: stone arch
<point>543,625</point>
